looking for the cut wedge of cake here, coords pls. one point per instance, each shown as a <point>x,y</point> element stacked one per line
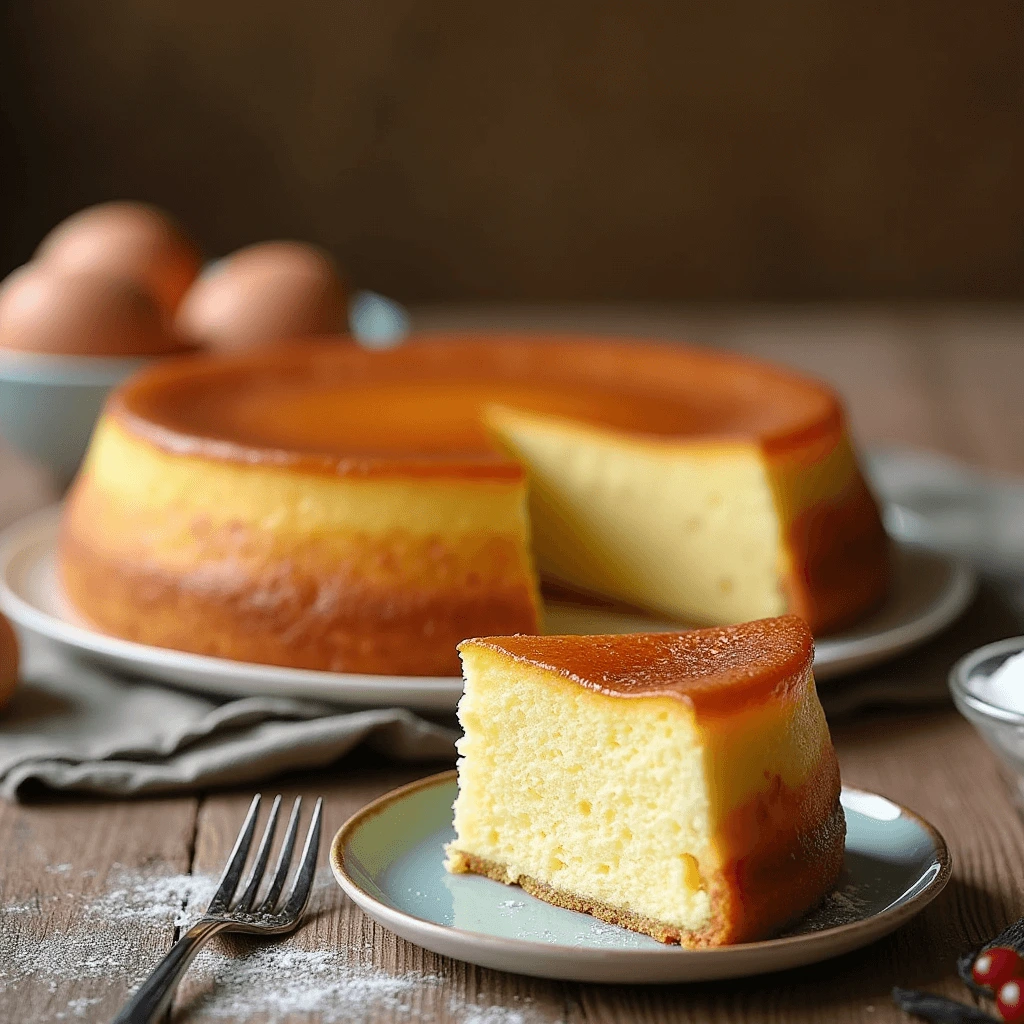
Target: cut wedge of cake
<point>705,529</point>
<point>679,784</point>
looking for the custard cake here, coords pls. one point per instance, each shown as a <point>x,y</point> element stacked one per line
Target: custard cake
<point>682,785</point>
<point>321,506</point>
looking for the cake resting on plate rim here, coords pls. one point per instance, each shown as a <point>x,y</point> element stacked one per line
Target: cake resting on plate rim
<point>320,506</point>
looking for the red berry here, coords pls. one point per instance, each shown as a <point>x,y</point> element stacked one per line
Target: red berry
<point>1010,1001</point>
<point>996,965</point>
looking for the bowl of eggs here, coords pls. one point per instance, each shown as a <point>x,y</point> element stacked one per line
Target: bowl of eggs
<point>120,284</point>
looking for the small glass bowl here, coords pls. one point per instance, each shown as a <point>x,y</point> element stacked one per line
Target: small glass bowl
<point>1001,728</point>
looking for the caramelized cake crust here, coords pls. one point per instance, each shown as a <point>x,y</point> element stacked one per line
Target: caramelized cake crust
<point>719,670</point>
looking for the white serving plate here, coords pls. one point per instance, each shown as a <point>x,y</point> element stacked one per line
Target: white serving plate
<point>929,592</point>
<point>389,860</point>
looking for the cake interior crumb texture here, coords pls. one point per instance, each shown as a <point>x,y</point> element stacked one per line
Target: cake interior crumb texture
<point>670,814</point>
<point>687,530</point>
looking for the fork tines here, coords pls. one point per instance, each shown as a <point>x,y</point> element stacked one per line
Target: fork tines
<point>302,884</point>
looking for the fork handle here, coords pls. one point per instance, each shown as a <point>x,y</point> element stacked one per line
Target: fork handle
<point>154,995</point>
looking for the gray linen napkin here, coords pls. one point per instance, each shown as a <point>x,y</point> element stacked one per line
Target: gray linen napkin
<point>73,726</point>
<point>940,502</point>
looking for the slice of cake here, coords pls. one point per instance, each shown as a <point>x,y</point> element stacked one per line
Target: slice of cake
<point>683,785</point>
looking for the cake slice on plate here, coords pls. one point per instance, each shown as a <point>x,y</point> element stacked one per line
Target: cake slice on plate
<point>680,784</point>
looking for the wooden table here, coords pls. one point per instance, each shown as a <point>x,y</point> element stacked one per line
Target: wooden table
<point>76,931</point>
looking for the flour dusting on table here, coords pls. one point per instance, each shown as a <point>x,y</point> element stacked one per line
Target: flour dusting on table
<point>78,1008</point>
<point>493,1015</point>
<point>93,943</point>
<point>280,980</point>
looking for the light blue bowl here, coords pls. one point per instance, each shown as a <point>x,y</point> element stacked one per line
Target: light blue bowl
<point>49,404</point>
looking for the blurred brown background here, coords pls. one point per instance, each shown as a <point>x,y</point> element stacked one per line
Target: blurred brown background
<point>578,149</point>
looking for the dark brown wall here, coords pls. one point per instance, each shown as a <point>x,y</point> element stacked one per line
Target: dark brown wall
<point>568,149</point>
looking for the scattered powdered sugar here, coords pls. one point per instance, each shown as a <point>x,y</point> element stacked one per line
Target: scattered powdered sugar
<point>281,981</point>
<point>152,899</point>
<point>493,1015</point>
<point>600,933</point>
<point>137,896</point>
<point>95,941</point>
<point>526,1011</point>
<point>278,982</point>
<point>78,1008</point>
<point>25,907</point>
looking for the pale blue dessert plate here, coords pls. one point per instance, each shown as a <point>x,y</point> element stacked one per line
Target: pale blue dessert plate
<point>389,859</point>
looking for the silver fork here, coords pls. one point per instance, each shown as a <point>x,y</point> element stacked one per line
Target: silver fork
<point>153,998</point>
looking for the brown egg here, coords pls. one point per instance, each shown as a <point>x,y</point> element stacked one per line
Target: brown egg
<point>263,294</point>
<point>126,240</point>
<point>43,309</point>
<point>8,661</point>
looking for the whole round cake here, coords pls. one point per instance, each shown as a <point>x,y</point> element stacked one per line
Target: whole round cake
<point>322,506</point>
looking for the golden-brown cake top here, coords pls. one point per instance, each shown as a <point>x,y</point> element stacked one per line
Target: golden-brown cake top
<point>418,408</point>
<point>715,670</point>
